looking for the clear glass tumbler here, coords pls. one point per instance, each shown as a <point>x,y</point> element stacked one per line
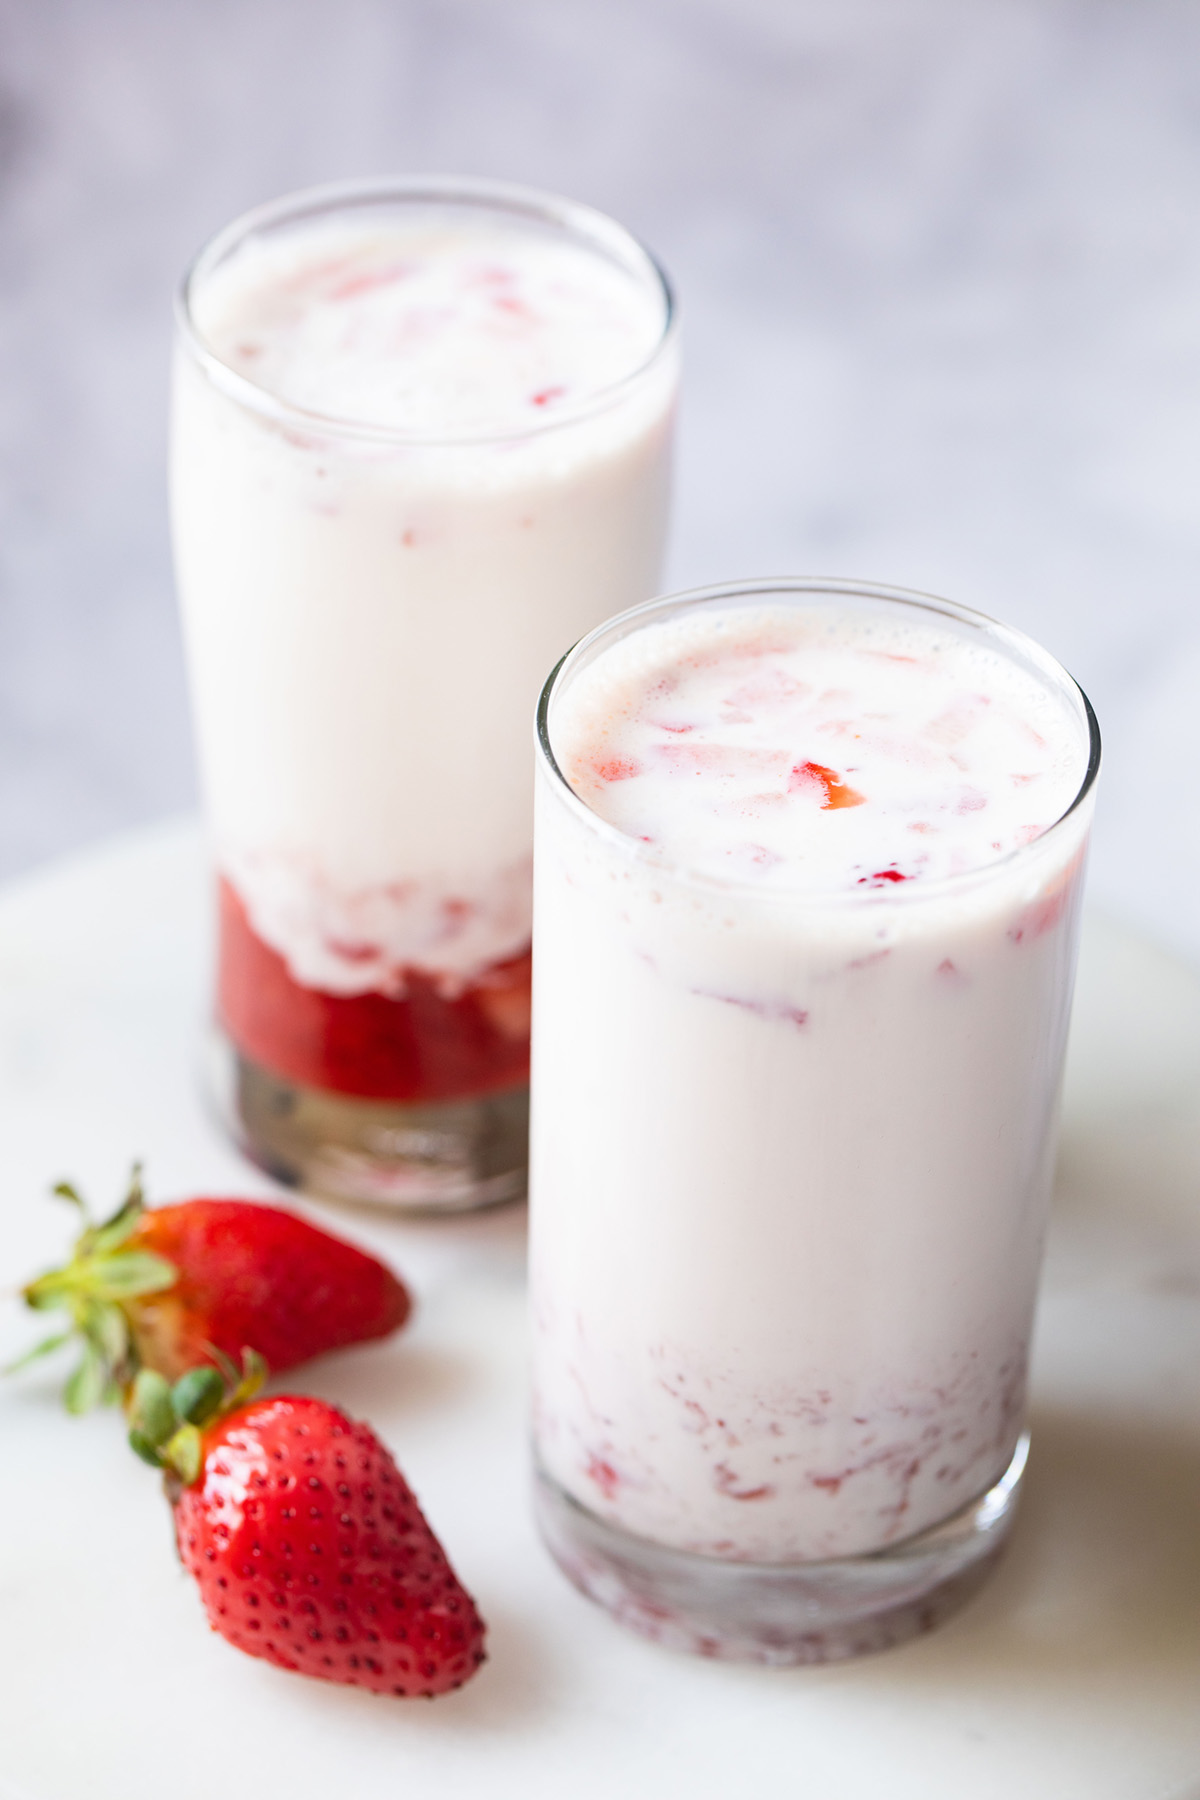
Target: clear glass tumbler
<point>792,1152</point>
<point>387,520</point>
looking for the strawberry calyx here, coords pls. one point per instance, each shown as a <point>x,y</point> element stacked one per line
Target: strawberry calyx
<point>167,1420</point>
<point>104,1274</point>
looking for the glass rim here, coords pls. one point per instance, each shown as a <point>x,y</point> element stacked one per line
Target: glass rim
<point>763,587</point>
<point>587,224</point>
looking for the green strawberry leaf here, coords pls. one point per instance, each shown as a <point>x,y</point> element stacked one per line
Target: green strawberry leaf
<point>151,1413</point>
<point>145,1449</point>
<point>119,1229</point>
<point>185,1454</point>
<point>107,1328</point>
<point>198,1396</point>
<point>226,1364</point>
<point>129,1273</point>
<point>116,1230</point>
<point>45,1348</point>
<point>254,1375</point>
<point>100,1288</point>
<point>85,1388</point>
<point>48,1292</point>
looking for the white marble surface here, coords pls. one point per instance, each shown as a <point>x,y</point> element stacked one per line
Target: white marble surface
<point>1072,1677</point>
<point>941,281</point>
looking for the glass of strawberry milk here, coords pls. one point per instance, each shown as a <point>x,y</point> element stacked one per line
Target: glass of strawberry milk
<point>808,872</point>
<point>421,438</point>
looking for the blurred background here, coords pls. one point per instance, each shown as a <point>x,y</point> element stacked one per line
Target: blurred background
<point>939,265</point>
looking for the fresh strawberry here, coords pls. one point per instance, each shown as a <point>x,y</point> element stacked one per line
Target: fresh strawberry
<point>306,1542</point>
<point>165,1289</point>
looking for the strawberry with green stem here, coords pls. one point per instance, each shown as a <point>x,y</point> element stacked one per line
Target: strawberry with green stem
<point>306,1542</point>
<point>174,1286</point>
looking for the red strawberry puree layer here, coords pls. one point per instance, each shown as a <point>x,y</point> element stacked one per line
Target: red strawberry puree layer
<point>421,1047</point>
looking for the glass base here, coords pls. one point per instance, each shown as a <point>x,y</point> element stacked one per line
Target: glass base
<point>781,1613</point>
<point>446,1156</point>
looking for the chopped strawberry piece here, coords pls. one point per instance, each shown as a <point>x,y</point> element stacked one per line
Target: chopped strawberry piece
<point>881,877</point>
<point>617,768</point>
<point>816,777</point>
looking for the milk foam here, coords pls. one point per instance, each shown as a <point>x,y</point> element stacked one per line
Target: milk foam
<point>795,751</point>
<point>429,326</point>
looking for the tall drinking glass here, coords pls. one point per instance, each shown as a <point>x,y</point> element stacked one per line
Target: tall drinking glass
<point>421,437</point>
<point>808,869</point>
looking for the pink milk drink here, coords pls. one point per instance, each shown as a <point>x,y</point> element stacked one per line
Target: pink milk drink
<point>808,871</point>
<point>421,438</point>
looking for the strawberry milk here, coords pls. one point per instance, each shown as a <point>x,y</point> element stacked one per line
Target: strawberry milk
<point>421,439</point>
<point>808,871</point>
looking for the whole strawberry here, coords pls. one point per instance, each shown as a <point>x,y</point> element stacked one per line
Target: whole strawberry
<point>306,1542</point>
<point>166,1289</point>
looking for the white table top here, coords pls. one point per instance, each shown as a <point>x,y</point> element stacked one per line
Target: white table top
<point>1075,1676</point>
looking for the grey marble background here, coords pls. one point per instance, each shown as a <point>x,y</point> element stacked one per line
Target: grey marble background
<point>940,271</point>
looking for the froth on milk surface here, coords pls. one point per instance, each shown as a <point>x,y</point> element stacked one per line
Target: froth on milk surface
<point>435,322</point>
<point>810,749</point>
